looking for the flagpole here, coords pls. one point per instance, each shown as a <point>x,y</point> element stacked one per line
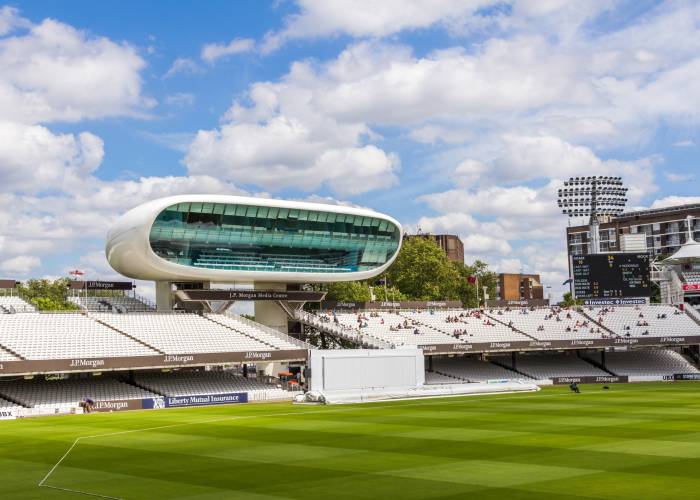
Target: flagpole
<point>478,302</point>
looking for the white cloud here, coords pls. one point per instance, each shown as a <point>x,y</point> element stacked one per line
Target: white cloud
<point>10,20</point>
<point>34,159</point>
<point>305,152</point>
<point>670,201</point>
<point>211,52</point>
<point>180,99</point>
<point>21,264</point>
<point>367,18</point>
<point>182,65</point>
<point>55,72</point>
<point>674,177</point>
<point>685,143</point>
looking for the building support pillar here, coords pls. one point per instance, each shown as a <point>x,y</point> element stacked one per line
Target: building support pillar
<point>269,312</point>
<point>164,296</point>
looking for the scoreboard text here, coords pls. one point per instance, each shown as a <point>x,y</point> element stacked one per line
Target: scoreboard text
<point>614,275</point>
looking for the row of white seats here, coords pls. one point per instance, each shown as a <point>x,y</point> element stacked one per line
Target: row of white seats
<point>42,393</point>
<point>175,333</point>
<point>208,382</point>
<point>109,304</point>
<point>550,323</point>
<point>64,336</point>
<point>477,329</point>
<point>472,369</point>
<point>399,336</point>
<point>247,329</point>
<point>325,322</point>
<point>12,303</point>
<point>629,321</point>
<point>647,362</point>
<point>548,366</point>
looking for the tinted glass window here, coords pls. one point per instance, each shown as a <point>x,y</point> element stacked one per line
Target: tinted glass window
<point>251,238</point>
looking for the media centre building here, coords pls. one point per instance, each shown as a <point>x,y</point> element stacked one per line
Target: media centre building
<point>194,241</point>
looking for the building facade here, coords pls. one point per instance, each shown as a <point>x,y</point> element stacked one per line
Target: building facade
<point>519,287</point>
<point>450,244</point>
<point>230,239</point>
<point>660,232</point>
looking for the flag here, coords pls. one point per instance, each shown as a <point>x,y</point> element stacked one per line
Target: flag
<point>570,280</point>
<point>471,279</point>
<point>76,272</point>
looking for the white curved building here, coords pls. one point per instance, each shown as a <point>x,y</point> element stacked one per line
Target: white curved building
<point>226,239</point>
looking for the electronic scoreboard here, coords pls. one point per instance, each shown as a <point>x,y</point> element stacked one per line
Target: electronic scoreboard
<point>613,275</point>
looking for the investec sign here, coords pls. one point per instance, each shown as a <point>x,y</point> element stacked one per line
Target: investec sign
<point>206,399</point>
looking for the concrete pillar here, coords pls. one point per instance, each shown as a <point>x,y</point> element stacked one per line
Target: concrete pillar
<point>164,296</point>
<point>268,312</point>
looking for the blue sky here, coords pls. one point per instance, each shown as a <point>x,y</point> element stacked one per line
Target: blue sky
<point>459,116</point>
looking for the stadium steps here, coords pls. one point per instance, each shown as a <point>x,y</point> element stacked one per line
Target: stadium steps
<point>435,329</point>
<point>144,387</point>
<point>451,376</point>
<point>692,314</point>
<point>10,351</point>
<point>369,341</point>
<point>272,347</point>
<point>582,312</point>
<point>503,365</point>
<point>597,364</point>
<point>9,398</point>
<point>511,327</point>
<point>130,337</point>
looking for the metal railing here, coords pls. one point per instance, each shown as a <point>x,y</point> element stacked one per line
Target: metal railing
<point>345,332</point>
<point>276,333</point>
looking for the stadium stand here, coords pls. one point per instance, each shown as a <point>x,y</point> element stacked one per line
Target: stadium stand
<point>469,325</point>
<point>692,278</point>
<point>187,383</point>
<point>6,355</point>
<point>4,404</point>
<point>327,322</point>
<point>63,336</point>
<point>472,369</point>
<point>637,321</point>
<point>180,333</point>
<point>394,328</point>
<point>551,323</point>
<point>550,365</point>
<point>37,393</point>
<point>647,362</point>
<point>439,378</point>
<point>382,328</point>
<point>272,338</point>
<point>12,304</point>
<point>111,304</point>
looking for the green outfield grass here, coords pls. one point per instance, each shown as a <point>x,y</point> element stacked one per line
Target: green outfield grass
<point>631,442</point>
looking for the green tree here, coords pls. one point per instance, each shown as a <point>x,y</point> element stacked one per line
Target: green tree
<point>47,295</point>
<point>569,301</point>
<point>422,271</point>
<point>468,291</point>
<point>383,293</point>
<point>348,291</point>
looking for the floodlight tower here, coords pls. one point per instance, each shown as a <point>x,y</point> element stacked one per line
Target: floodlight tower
<point>593,197</point>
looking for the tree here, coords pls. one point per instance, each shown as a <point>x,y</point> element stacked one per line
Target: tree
<point>569,301</point>
<point>348,291</point>
<point>384,293</point>
<point>422,271</point>
<point>468,292</point>
<point>47,295</point>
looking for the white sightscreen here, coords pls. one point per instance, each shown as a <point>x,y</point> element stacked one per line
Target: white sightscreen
<point>341,373</point>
